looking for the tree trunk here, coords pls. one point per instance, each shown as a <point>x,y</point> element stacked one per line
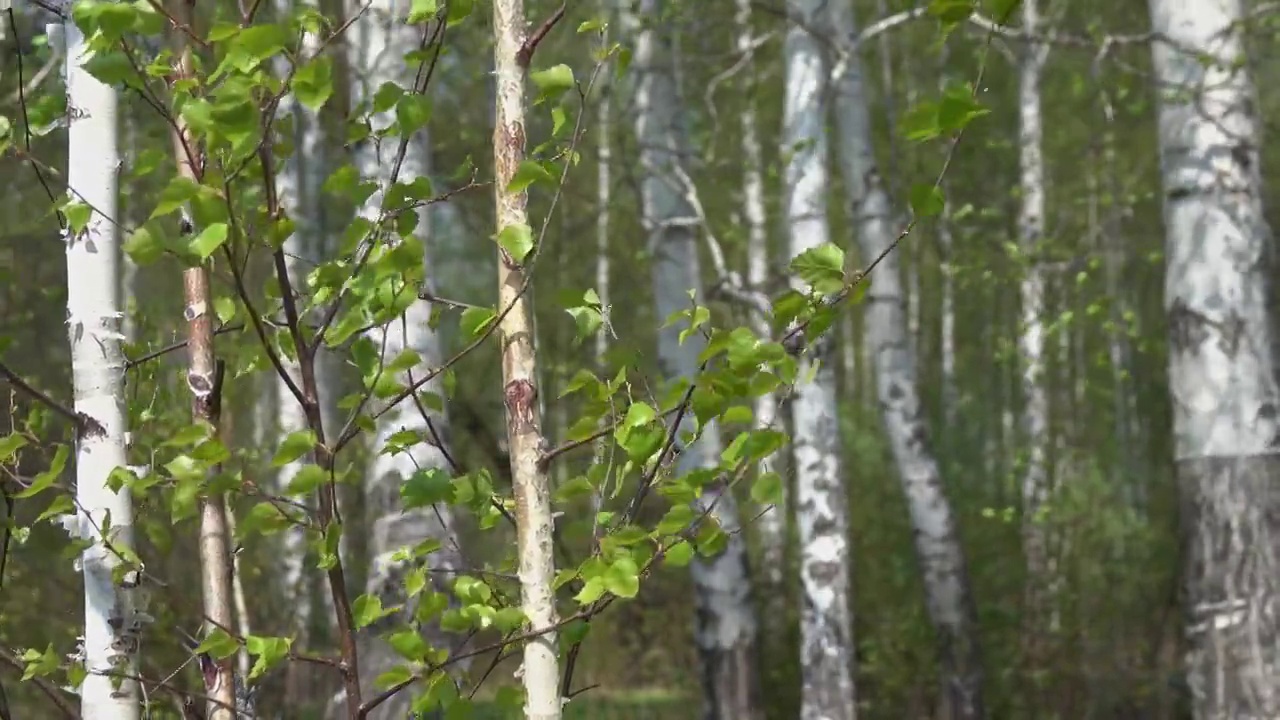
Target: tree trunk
<point>381,40</point>
<point>773,523</point>
<point>112,628</point>
<point>1221,363</point>
<point>948,596</point>
<point>204,380</point>
<point>826,625</point>
<point>534,522</point>
<point>1041,583</point>
<point>725,631</point>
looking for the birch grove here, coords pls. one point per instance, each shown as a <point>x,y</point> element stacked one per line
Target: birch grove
<point>623,330</point>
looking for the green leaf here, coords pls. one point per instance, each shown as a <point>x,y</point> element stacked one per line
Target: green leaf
<point>552,82</point>
<point>408,644</point>
<point>78,215</point>
<point>527,174</point>
<point>413,112</point>
<point>679,555</point>
<point>209,240</point>
<point>268,651</point>
<point>426,487</point>
<point>218,644</point>
<point>398,675</point>
<point>623,577</point>
<point>767,490</point>
<point>294,446</point>
<point>958,108</point>
<point>307,479</point>
<point>420,10</point>
<point>312,84</point>
<point>367,609</point>
<point>475,320</point>
<point>927,200</point>
<point>46,479</point>
<point>517,240</point>
<point>821,267</point>
<point>10,445</point>
<point>676,520</point>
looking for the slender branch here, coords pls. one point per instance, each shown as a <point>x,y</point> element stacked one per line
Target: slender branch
<point>82,422</point>
<point>525,55</point>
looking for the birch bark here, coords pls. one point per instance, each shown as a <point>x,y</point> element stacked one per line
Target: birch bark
<point>1221,359</point>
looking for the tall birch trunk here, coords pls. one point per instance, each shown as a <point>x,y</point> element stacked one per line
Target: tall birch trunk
<point>1031,339</point>
<point>381,40</point>
<point>540,670</point>
<point>826,624</point>
<point>773,523</point>
<point>204,380</point>
<point>604,192</point>
<point>112,627</point>
<point>948,596</point>
<point>1221,364</point>
<point>725,630</point>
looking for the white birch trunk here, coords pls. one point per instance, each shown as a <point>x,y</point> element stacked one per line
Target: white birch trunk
<point>380,41</point>
<point>726,624</point>
<point>948,596</point>
<point>826,624</point>
<point>1221,364</point>
<point>112,627</point>
<point>604,177</point>
<point>773,523</point>
<point>535,525</point>
<point>1031,339</point>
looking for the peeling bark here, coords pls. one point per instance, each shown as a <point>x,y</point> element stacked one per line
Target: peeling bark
<point>534,524</point>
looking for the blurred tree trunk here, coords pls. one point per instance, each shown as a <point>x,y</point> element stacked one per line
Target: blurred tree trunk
<point>1221,365</point>
<point>1041,572</point>
<point>726,624</point>
<point>948,595</point>
<point>380,40</point>
<point>773,523</point>
<point>112,627</point>
<point>826,625</point>
<point>299,178</point>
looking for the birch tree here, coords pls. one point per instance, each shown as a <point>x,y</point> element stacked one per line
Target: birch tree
<point>381,39</point>
<point>948,596</point>
<point>1031,339</point>
<point>826,624</point>
<point>112,627</point>
<point>726,629</point>
<point>773,523</point>
<point>540,668</point>
<point>204,381</point>
<point>1221,362</point>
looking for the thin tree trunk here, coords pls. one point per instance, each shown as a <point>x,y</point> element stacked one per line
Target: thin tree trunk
<point>1031,340</point>
<point>948,596</point>
<point>725,633</point>
<point>604,192</point>
<point>112,628</point>
<point>382,38</point>
<point>773,523</point>
<point>826,624</point>
<point>1221,357</point>
<point>204,380</point>
<point>534,524</point>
